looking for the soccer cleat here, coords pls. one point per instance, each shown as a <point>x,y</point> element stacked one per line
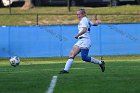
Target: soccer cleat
<point>102,66</point>
<point>63,72</point>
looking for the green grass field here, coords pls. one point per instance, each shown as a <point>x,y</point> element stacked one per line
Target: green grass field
<point>122,75</point>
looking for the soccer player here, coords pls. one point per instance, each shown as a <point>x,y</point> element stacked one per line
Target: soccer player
<point>83,44</point>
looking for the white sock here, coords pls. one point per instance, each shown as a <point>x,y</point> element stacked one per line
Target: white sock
<point>68,64</point>
<point>95,61</point>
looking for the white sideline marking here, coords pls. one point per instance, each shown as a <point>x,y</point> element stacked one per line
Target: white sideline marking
<point>52,84</point>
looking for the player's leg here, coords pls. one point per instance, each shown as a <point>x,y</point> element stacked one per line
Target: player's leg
<point>75,50</point>
<point>86,58</point>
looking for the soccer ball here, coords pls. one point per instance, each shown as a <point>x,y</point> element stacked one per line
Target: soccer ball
<point>14,61</point>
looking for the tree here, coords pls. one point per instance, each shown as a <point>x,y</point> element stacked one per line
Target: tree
<point>27,5</point>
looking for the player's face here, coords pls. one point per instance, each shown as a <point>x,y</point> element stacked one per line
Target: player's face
<point>79,15</point>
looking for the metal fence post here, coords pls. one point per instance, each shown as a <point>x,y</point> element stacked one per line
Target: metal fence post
<point>37,19</point>
<point>9,7</point>
<point>68,4</point>
<point>100,41</point>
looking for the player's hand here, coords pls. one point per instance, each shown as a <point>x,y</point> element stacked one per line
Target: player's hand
<point>98,21</point>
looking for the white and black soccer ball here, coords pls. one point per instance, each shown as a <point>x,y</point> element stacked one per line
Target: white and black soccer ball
<point>14,61</point>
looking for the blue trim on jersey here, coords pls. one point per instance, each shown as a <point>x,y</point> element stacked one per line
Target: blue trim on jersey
<point>89,26</point>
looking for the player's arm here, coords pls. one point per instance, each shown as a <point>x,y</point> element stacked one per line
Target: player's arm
<point>95,23</point>
<point>81,33</point>
<point>96,19</point>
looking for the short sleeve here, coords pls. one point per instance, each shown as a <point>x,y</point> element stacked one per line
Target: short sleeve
<point>84,23</point>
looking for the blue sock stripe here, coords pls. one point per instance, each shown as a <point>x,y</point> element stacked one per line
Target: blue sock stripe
<point>71,58</point>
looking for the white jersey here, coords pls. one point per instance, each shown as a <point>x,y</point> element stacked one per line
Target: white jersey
<point>85,22</point>
<point>84,41</point>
